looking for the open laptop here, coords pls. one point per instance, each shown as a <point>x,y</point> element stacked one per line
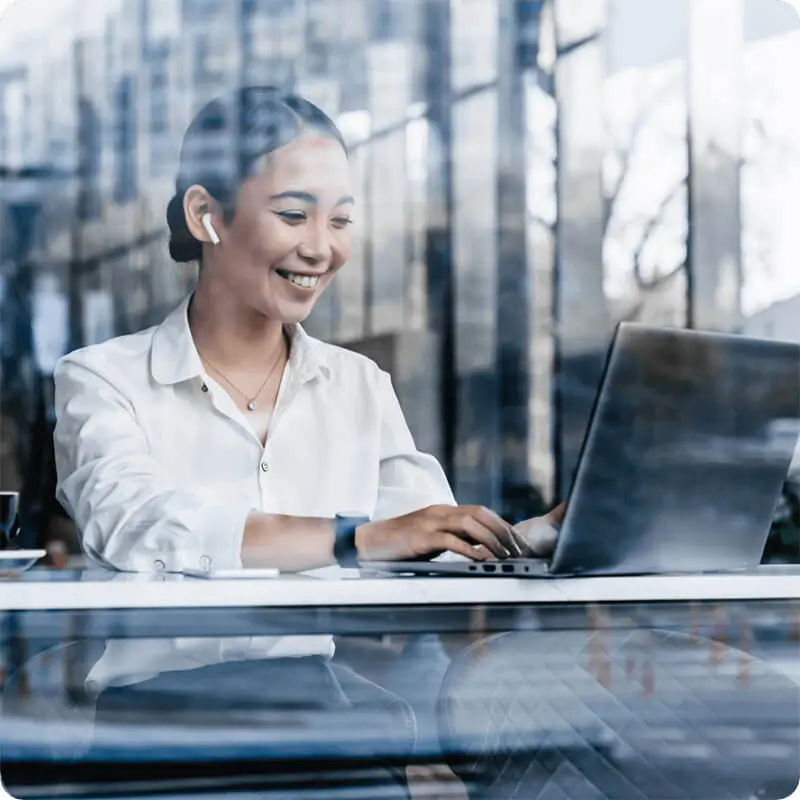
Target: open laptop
<point>687,449</point>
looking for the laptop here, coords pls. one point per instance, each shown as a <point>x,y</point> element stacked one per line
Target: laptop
<point>687,449</point>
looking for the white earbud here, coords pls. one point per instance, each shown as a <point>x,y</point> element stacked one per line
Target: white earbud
<point>209,226</point>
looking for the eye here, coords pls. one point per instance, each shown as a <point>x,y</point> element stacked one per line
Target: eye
<point>341,222</point>
<point>293,217</point>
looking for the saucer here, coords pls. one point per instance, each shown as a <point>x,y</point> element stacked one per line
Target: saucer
<point>13,562</point>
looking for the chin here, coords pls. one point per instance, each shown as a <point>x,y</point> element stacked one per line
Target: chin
<point>295,319</point>
<point>279,301</point>
<point>291,313</point>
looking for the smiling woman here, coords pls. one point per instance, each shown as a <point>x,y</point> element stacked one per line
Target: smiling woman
<point>226,437</point>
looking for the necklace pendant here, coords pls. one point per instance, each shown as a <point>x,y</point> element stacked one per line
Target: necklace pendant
<point>252,405</point>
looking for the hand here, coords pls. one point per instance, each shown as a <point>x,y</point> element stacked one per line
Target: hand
<point>471,531</point>
<point>539,534</point>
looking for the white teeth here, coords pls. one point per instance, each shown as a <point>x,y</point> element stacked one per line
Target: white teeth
<point>306,281</point>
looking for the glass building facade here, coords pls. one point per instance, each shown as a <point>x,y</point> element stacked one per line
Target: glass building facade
<point>528,172</point>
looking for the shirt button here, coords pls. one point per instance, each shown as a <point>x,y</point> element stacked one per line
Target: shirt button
<point>204,388</point>
<point>264,466</point>
<point>159,565</point>
<point>205,563</point>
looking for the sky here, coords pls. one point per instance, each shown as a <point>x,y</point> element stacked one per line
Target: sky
<point>648,32</point>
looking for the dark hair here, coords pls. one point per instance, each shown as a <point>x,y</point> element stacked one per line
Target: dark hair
<point>223,143</point>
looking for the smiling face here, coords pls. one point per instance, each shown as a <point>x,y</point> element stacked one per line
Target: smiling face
<point>291,231</point>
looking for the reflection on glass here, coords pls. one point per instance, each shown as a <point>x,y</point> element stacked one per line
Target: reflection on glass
<point>715,101</point>
<point>770,175</point>
<point>513,297</point>
<point>98,98</point>
<point>582,318</point>
<point>541,191</point>
<point>645,173</point>
<point>474,42</point>
<point>351,283</point>
<point>390,65</point>
<point>678,698</point>
<point>323,321</point>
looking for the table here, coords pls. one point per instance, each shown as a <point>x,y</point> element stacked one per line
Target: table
<point>755,613</point>
<point>41,590</point>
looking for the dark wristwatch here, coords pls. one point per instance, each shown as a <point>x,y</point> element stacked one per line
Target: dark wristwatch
<point>344,544</point>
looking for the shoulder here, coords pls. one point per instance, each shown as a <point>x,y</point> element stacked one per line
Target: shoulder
<point>352,379</point>
<point>346,365</point>
<point>121,356</point>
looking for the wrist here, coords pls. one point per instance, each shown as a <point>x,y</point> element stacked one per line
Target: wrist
<point>364,534</point>
<point>345,548</point>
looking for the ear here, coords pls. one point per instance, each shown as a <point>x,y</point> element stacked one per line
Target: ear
<point>197,202</point>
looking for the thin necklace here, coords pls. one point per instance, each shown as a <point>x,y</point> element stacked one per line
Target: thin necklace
<point>252,405</point>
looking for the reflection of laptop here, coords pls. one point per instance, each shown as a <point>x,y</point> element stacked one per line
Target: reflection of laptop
<point>682,465</point>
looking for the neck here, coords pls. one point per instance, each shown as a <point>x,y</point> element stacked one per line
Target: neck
<point>230,333</point>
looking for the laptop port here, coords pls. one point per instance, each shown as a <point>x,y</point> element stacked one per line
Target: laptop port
<point>489,567</point>
<point>473,568</point>
<point>507,567</point>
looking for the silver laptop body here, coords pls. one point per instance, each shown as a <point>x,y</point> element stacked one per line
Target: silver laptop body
<point>682,464</point>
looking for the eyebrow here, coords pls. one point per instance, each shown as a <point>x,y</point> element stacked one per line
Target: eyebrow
<point>311,199</point>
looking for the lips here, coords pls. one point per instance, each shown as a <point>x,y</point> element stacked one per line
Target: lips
<point>302,281</point>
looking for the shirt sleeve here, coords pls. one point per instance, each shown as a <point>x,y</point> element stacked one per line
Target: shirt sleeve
<point>128,513</point>
<point>408,480</point>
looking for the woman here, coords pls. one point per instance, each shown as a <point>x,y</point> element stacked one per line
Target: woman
<point>226,437</point>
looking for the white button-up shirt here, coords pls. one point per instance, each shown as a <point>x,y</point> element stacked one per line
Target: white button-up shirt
<point>160,469</point>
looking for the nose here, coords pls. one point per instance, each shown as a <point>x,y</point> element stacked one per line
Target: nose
<point>316,249</point>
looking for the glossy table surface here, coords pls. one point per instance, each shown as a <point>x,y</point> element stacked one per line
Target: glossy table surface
<point>43,590</point>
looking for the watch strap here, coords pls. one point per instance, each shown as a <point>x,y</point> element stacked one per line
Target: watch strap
<point>344,545</point>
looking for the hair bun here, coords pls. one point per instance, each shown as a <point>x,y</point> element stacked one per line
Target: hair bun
<point>183,247</point>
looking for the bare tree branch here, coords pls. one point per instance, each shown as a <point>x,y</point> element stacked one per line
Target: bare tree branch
<point>653,223</point>
<point>570,47</point>
<point>625,154</point>
<point>634,313</point>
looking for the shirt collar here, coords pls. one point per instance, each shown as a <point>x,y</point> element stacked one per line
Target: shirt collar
<point>174,357</point>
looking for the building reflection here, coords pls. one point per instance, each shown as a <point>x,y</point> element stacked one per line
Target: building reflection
<point>528,173</point>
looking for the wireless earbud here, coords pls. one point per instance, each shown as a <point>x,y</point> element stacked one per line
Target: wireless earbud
<point>209,226</point>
